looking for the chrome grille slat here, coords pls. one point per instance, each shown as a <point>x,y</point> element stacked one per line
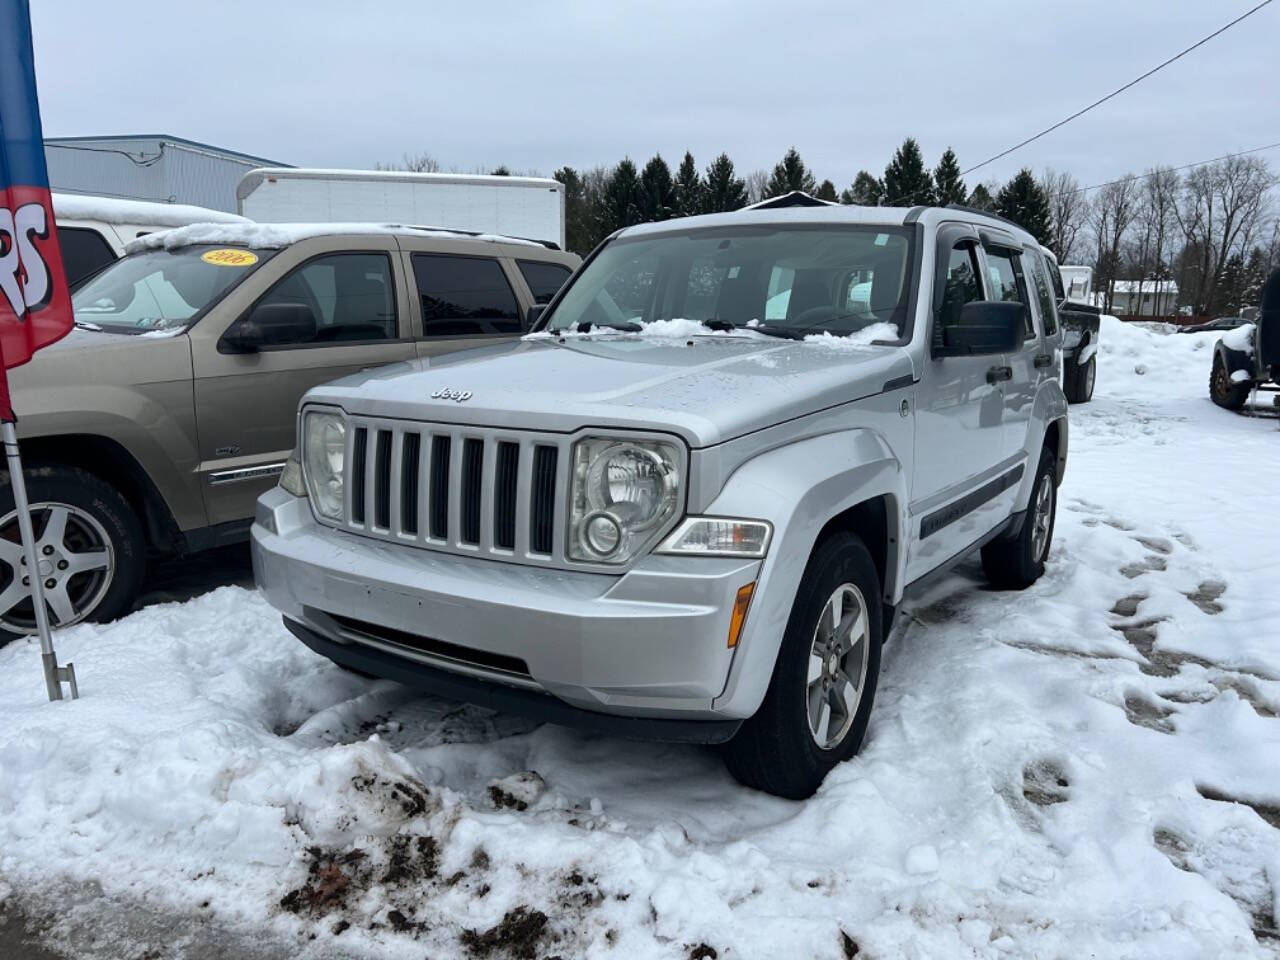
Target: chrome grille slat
<point>422,480</point>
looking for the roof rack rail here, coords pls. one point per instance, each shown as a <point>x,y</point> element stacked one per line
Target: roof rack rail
<point>549,244</point>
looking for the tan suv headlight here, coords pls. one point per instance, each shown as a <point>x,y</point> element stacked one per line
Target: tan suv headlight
<point>623,492</point>
<point>324,445</point>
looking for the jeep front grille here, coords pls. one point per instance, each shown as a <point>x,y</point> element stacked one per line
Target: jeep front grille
<point>478,491</point>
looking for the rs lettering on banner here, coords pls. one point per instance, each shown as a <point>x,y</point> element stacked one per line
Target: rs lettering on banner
<point>24,274</point>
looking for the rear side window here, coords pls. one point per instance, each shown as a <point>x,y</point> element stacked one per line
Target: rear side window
<point>464,296</point>
<point>961,287</point>
<point>84,252</point>
<point>350,296</point>
<point>544,279</point>
<point>1044,293</point>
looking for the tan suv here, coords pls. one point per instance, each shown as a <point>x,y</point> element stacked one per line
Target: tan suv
<point>154,427</point>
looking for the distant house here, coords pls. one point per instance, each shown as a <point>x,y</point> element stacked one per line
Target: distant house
<point>155,167</point>
<point>1145,298</point>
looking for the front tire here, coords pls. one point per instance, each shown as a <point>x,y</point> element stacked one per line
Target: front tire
<point>1018,562</point>
<point>1224,391</point>
<point>818,704</point>
<point>90,548</point>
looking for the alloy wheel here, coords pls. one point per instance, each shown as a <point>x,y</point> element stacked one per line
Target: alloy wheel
<point>1041,517</point>
<point>837,670</point>
<point>75,560</point>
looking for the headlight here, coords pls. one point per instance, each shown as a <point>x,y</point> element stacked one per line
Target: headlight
<point>324,445</point>
<point>623,492</point>
<point>719,537</point>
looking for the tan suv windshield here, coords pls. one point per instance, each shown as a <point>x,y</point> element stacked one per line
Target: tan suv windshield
<point>162,289</point>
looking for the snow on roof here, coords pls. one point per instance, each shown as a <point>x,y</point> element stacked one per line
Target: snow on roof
<point>1148,286</point>
<point>275,235</point>
<point>74,206</point>
<point>323,173</point>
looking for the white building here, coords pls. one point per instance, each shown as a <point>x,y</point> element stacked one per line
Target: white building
<point>1145,298</point>
<point>155,167</point>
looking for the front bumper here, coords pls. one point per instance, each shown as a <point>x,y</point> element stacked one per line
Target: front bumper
<point>649,643</point>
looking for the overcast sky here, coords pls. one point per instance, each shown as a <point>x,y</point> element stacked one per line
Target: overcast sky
<point>540,85</point>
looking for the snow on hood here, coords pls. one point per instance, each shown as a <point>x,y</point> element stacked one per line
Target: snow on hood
<point>276,235</point>
<point>74,206</point>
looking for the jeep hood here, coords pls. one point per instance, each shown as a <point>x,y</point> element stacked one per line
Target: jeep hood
<point>708,389</point>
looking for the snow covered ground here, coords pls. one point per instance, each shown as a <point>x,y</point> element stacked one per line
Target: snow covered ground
<point>1089,768</point>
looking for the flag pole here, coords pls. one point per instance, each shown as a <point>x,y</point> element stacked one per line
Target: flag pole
<point>54,675</point>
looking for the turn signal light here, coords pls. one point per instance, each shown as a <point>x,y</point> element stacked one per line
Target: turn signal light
<point>740,605</point>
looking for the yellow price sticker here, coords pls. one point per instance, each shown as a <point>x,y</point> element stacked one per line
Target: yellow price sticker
<point>229,258</point>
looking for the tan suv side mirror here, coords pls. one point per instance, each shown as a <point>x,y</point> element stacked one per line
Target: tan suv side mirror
<point>270,325</point>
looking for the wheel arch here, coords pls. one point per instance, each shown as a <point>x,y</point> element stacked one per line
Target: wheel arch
<point>848,480</point>
<point>110,461</point>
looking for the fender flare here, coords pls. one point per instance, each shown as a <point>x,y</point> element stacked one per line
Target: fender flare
<point>1235,360</point>
<point>799,488</point>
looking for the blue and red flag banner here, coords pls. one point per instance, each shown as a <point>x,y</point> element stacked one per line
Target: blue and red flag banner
<point>35,305</point>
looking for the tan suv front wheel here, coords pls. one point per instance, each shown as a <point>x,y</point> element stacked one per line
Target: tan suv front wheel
<point>89,545</point>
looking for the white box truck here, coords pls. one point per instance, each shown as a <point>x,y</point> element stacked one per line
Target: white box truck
<point>528,207</point>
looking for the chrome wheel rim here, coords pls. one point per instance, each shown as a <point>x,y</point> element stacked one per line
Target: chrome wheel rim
<point>1041,516</point>
<point>837,669</point>
<point>75,561</point>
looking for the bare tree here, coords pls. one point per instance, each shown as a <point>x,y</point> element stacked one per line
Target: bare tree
<point>757,185</point>
<point>414,163</point>
<point>1157,224</point>
<point>1110,217</point>
<point>1223,206</point>
<point>1068,211</point>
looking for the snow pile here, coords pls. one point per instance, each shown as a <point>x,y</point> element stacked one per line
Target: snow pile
<point>859,338</point>
<point>276,235</point>
<point>1241,338</point>
<point>1090,767</point>
<point>73,206</point>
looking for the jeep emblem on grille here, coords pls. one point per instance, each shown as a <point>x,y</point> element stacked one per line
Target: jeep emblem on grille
<point>457,396</point>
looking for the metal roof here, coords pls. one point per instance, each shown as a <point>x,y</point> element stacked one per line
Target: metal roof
<point>130,137</point>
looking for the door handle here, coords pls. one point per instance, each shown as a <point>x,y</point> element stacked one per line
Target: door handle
<point>998,374</point>
<point>1044,360</point>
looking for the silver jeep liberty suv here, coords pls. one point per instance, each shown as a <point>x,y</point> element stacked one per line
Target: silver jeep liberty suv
<point>687,505</point>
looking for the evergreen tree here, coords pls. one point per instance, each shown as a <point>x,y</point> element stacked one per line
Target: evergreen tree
<point>1255,275</point>
<point>981,198</point>
<point>947,185</point>
<point>827,191</point>
<point>906,181</point>
<point>620,201</point>
<point>788,175</point>
<point>867,191</point>
<point>657,198</point>
<point>577,212</point>
<point>1023,201</point>
<point>690,199</point>
<point>502,171</point>
<point>724,190</point>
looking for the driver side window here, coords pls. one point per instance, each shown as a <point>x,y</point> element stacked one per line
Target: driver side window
<point>348,296</point>
<point>961,286</point>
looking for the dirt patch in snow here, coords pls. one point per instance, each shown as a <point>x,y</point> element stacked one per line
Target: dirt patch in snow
<point>1044,783</point>
<point>519,934</point>
<point>1206,595</point>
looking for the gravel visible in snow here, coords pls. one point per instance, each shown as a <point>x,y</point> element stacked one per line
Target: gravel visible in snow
<point>276,235</point>
<point>1089,768</point>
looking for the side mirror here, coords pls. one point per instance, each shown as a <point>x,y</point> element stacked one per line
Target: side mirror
<point>271,325</point>
<point>531,316</point>
<point>986,326</point>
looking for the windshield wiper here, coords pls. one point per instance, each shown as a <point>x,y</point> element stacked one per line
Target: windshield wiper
<point>768,329</point>
<point>626,326</point>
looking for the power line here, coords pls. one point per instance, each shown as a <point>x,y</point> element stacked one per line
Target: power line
<point>1185,166</point>
<point>1119,90</point>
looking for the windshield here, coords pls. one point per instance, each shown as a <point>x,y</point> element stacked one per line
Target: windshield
<point>161,289</point>
<point>799,279</point>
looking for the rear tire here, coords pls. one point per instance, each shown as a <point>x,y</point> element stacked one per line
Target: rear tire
<point>1080,379</point>
<point>89,539</point>
<point>818,704</point>
<point>1018,562</point>
<point>1224,391</point>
